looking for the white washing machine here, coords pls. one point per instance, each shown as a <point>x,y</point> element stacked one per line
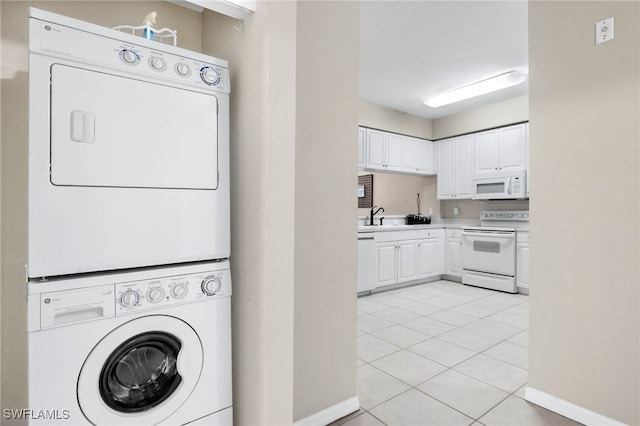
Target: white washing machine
<point>128,151</point>
<point>137,348</point>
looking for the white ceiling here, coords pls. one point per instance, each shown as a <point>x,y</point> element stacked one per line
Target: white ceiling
<point>410,50</point>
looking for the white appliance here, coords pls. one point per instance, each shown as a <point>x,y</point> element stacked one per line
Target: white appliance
<point>489,250</point>
<point>128,151</point>
<point>134,348</point>
<point>502,185</point>
<point>367,254</point>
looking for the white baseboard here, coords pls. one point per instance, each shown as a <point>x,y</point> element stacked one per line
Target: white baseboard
<point>331,414</point>
<point>568,409</point>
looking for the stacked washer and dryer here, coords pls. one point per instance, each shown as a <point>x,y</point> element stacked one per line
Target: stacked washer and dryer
<point>129,283</point>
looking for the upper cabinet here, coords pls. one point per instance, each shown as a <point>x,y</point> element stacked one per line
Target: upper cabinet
<point>383,151</point>
<point>501,150</point>
<point>391,152</point>
<point>362,147</point>
<point>455,168</point>
<point>418,156</point>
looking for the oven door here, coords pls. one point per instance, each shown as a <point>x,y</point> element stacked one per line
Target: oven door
<point>490,251</point>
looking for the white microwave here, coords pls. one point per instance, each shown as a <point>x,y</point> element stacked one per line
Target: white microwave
<point>509,185</point>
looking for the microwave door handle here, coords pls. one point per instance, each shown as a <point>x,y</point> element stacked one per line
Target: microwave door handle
<point>509,185</point>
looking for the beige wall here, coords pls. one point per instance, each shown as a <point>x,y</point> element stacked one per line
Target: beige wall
<point>470,209</point>
<point>493,115</point>
<point>585,278</point>
<point>397,193</point>
<point>390,120</point>
<point>292,228</point>
<point>14,88</point>
<point>325,243</point>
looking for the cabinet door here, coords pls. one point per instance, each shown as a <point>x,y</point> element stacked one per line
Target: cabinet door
<point>411,155</point>
<point>428,158</point>
<point>487,152</point>
<point>387,271</point>
<point>445,169</point>
<point>375,149</point>
<point>430,255</point>
<point>361,147</point>
<point>454,257</point>
<point>464,169</point>
<point>394,152</point>
<point>522,266</point>
<point>407,260</point>
<point>513,148</point>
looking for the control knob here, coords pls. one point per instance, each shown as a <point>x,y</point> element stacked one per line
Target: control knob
<point>130,299</point>
<point>157,64</point>
<point>129,57</point>
<point>209,75</point>
<point>155,294</point>
<point>179,291</point>
<point>183,69</point>
<point>211,285</point>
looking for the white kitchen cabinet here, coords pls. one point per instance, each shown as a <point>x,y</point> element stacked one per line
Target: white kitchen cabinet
<point>397,262</point>
<point>418,156</point>
<point>362,147</point>
<point>522,262</point>
<point>528,157</point>
<point>455,168</point>
<point>383,151</point>
<point>407,260</point>
<point>454,253</point>
<point>431,253</point>
<point>387,264</point>
<point>397,258</point>
<point>501,150</point>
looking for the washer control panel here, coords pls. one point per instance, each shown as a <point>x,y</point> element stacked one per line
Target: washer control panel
<point>90,299</point>
<point>165,291</point>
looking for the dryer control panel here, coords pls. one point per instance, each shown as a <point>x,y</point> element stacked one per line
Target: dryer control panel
<point>126,53</point>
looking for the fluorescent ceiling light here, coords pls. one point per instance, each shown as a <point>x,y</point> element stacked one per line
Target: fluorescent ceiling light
<point>489,85</point>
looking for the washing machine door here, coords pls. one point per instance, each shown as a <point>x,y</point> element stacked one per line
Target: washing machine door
<point>141,372</point>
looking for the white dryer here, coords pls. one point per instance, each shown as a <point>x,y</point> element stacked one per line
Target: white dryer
<point>128,151</point>
<point>137,348</point>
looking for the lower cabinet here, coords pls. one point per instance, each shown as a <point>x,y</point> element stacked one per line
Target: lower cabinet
<point>430,253</point>
<point>522,262</point>
<point>454,253</point>
<point>404,256</point>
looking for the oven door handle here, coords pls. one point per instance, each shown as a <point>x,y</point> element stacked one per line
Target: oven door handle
<point>489,234</point>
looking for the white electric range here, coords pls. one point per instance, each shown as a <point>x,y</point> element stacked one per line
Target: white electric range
<point>489,250</point>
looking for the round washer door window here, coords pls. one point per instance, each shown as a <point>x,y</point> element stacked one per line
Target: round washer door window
<point>141,372</point>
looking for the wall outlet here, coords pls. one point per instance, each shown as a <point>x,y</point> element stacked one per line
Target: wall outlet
<point>456,211</point>
<point>604,30</point>
<point>430,212</point>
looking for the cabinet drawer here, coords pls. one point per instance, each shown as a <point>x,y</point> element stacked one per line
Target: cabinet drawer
<point>385,236</point>
<point>454,233</point>
<point>430,233</point>
<point>522,237</point>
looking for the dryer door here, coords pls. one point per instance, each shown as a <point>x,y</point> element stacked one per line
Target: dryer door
<point>141,372</point>
<point>112,131</point>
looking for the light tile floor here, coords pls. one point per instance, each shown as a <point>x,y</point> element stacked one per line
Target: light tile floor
<point>444,353</point>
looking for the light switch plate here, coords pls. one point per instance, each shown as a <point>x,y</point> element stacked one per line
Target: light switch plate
<point>604,30</point>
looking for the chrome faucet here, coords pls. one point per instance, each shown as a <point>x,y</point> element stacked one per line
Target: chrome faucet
<point>372,213</point>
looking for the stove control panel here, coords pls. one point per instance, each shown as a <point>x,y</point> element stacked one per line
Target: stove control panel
<point>506,216</point>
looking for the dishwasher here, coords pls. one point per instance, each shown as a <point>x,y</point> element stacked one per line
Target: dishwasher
<point>366,262</point>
